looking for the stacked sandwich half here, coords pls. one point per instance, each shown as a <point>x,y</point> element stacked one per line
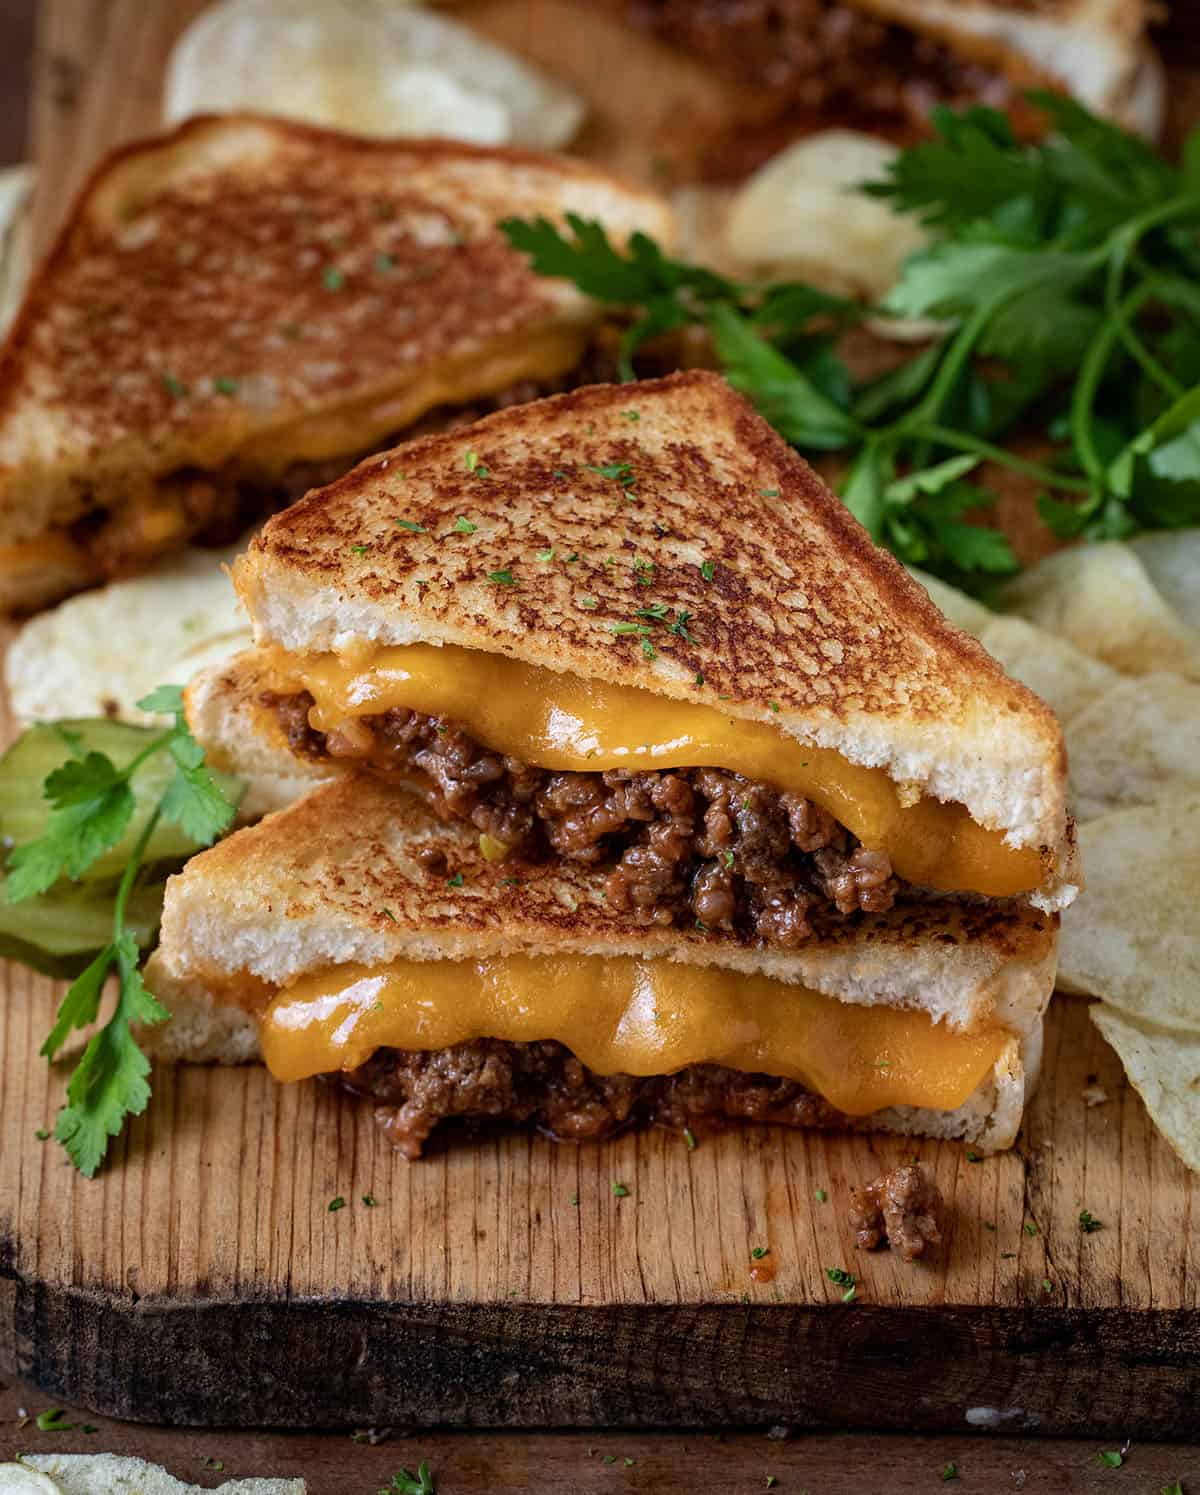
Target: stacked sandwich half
<point>645,788</point>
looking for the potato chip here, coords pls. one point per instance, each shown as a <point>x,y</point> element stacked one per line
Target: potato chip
<point>963,611</point>
<point>99,653</point>
<point>373,67</point>
<point>1101,599</point>
<point>1172,558</point>
<point>1137,743</point>
<point>802,217</point>
<point>1065,678</point>
<point>114,1474</point>
<point>1133,936</point>
<point>1163,1066</point>
<point>16,198</point>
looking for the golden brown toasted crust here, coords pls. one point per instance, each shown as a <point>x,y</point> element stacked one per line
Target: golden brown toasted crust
<point>216,282</point>
<point>671,492</point>
<point>360,871</point>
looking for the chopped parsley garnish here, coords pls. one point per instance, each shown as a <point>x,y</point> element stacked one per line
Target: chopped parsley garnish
<point>42,1134</point>
<point>1008,1256</point>
<point>689,1137</point>
<point>1030,1228</point>
<point>648,649</point>
<point>727,858</point>
<point>589,602</point>
<point>643,572</point>
<point>388,914</point>
<point>771,1481</point>
<point>699,680</point>
<point>332,278</point>
<point>1088,1222</point>
<point>656,611</point>
<point>370,1201</point>
<point>841,1278</point>
<point>384,263</point>
<point>759,1252</point>
<point>679,626</point>
<point>51,1421</point>
<point>475,466</point>
<point>411,526</point>
<point>629,628</point>
<point>404,1483</point>
<point>708,570</point>
<point>359,549</point>
<point>174,387</point>
<point>1047,1285</point>
<point>973,1157</point>
<point>950,1471</point>
<point>336,1204</point>
<point>456,881</point>
<point>503,578</point>
<point>545,555</point>
<point>631,415</point>
<point>820,1195</point>
<point>769,492</point>
<point>464,526</point>
<point>774,705</point>
<point>225,385</point>
<point>620,1191</point>
<point>1110,1458</point>
<point>574,1201</point>
<point>621,472</point>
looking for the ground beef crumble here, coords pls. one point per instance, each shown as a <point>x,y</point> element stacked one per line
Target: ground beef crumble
<point>898,1208</point>
<point>699,844</point>
<point>494,1081</point>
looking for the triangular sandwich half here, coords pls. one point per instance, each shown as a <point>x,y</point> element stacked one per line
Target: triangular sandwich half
<point>356,935</point>
<point>245,306</point>
<point>628,626</point>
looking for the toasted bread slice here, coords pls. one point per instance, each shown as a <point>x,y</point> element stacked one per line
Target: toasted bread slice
<point>342,876</point>
<point>355,873</point>
<point>673,492</point>
<point>1094,49</point>
<point>247,294</point>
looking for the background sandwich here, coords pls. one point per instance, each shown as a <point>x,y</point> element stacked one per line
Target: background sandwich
<point>241,308</point>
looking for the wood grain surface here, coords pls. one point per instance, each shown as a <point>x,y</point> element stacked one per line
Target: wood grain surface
<point>203,1278</point>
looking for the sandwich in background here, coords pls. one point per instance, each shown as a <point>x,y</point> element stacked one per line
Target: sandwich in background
<point>667,707</point>
<point>238,310</point>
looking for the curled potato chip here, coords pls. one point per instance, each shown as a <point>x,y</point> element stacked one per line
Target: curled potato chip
<point>963,611</point>
<point>76,659</point>
<point>1136,743</point>
<point>1102,599</point>
<point>1172,559</point>
<point>802,216</point>
<point>1163,1066</point>
<point>370,66</point>
<point>116,1474</point>
<point>1133,936</point>
<point>1064,677</point>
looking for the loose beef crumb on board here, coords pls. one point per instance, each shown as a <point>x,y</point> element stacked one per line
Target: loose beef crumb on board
<point>713,847</point>
<point>900,1209</point>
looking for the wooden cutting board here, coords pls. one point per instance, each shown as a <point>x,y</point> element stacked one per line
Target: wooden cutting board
<point>203,1278</point>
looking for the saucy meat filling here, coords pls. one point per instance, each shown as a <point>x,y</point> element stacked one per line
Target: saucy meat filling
<point>696,844</point>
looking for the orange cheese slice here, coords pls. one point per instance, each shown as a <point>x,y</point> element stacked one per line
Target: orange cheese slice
<point>559,721</point>
<point>628,1016</point>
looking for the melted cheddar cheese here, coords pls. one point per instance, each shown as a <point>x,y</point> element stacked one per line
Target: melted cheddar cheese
<point>627,1016</point>
<point>562,722</point>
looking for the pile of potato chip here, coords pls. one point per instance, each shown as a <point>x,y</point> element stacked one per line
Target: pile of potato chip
<point>113,1474</point>
<point>1109,636</point>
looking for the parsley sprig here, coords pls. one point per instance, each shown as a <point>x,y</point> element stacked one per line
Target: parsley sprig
<point>1066,280</point>
<point>92,806</point>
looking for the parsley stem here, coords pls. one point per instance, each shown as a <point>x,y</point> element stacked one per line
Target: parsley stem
<point>152,747</point>
<point>1138,350</point>
<point>1091,372</point>
<point>959,351</point>
<point>132,867</point>
<point>962,442</point>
